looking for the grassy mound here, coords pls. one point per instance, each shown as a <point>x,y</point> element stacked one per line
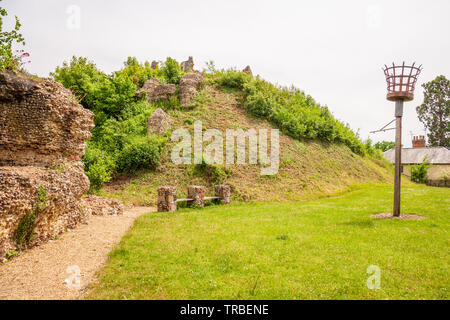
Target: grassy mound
<point>319,155</point>
<point>308,168</point>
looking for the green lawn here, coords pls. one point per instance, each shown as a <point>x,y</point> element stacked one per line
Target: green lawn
<point>302,250</point>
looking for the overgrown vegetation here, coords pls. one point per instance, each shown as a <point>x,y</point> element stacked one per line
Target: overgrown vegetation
<point>138,153</point>
<point>8,39</point>
<point>419,171</point>
<point>294,112</point>
<point>309,169</point>
<point>23,234</point>
<point>119,143</point>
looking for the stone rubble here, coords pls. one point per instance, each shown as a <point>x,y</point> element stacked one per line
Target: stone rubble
<point>101,206</point>
<point>188,87</point>
<point>187,66</point>
<point>155,90</point>
<point>159,122</point>
<point>248,70</point>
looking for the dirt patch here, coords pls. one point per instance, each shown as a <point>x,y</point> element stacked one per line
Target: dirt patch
<point>405,216</point>
<point>40,273</point>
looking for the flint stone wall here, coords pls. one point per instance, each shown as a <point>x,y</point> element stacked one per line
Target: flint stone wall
<point>42,139</point>
<point>19,195</point>
<point>41,123</point>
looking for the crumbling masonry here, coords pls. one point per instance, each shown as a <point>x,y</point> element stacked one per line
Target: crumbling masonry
<point>43,133</point>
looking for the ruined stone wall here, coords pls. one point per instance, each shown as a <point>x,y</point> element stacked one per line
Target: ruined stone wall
<point>40,122</point>
<point>188,87</point>
<point>42,139</point>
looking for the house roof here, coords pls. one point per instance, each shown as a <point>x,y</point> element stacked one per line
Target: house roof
<point>435,155</point>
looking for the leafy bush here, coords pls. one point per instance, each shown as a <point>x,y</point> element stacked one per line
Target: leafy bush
<point>139,73</point>
<point>234,79</point>
<point>108,96</point>
<point>7,39</point>
<point>115,95</point>
<point>82,76</point>
<point>140,153</point>
<point>98,166</point>
<point>298,115</point>
<point>419,171</point>
<point>114,134</point>
<point>171,71</point>
<point>371,150</point>
<point>119,140</point>
<point>121,147</point>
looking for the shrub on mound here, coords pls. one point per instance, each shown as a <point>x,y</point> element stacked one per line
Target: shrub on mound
<point>294,112</point>
<point>98,166</point>
<point>140,153</point>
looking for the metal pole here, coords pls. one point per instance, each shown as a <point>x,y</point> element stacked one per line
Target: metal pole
<point>398,156</point>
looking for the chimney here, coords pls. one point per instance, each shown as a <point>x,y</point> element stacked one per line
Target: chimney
<point>418,142</point>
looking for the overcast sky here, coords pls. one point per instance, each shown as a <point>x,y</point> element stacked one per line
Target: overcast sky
<point>333,50</point>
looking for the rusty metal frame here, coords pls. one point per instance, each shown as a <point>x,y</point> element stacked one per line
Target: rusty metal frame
<point>401,81</point>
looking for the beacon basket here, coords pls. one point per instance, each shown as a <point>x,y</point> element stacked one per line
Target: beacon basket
<point>401,81</point>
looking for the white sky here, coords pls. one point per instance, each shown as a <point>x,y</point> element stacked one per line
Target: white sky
<point>333,50</point>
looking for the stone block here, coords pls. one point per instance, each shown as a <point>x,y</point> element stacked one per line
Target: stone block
<point>224,192</point>
<point>197,193</point>
<point>167,199</point>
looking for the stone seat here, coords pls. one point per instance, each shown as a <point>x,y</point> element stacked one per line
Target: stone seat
<point>167,196</point>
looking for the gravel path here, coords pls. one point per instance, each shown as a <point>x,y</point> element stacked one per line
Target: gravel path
<point>41,272</point>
